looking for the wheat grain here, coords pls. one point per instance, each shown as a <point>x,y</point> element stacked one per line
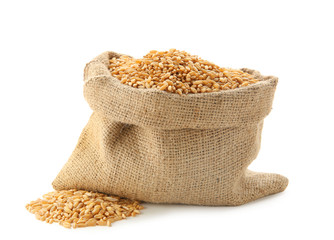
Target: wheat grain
<point>177,72</point>
<point>72,208</point>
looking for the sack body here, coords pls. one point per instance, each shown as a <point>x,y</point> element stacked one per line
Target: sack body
<point>158,147</point>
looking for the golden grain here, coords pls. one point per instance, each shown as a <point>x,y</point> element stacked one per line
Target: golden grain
<point>177,72</point>
<point>72,208</point>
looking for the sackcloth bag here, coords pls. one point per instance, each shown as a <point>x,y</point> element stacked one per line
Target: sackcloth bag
<point>159,147</point>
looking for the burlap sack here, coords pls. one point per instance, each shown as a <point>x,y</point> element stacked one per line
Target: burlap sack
<point>159,147</point>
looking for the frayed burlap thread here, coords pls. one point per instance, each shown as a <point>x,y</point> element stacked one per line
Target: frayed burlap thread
<point>159,147</point>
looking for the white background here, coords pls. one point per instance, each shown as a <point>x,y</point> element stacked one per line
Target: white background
<point>45,46</point>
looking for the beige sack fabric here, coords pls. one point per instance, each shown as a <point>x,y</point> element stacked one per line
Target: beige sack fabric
<point>159,147</point>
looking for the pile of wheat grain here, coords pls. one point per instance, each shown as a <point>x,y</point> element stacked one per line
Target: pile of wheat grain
<point>72,208</point>
<point>177,72</point>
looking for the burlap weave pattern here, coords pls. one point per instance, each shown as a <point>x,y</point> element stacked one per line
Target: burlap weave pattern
<point>159,147</point>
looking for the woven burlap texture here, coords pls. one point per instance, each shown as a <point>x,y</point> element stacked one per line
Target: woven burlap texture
<point>160,147</point>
